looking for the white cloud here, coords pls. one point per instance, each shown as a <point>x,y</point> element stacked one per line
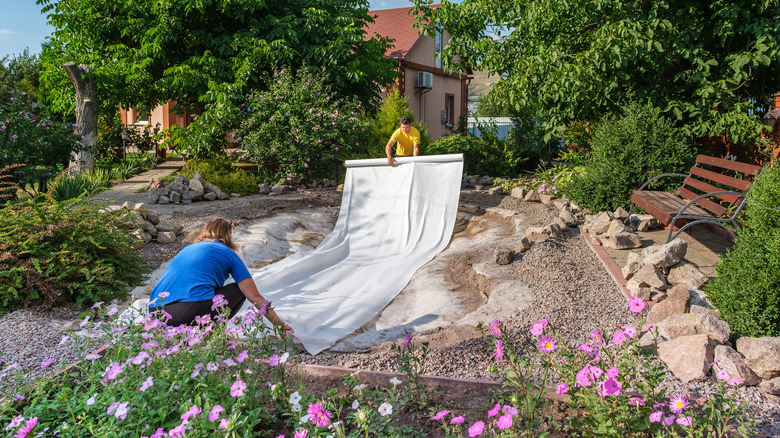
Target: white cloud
<point>6,34</point>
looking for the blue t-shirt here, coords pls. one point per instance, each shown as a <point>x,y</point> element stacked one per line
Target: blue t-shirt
<point>198,270</point>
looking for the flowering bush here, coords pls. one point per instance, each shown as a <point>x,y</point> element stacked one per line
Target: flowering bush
<point>301,126</point>
<point>29,136</point>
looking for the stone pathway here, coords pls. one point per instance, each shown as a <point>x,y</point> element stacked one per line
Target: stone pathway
<point>131,190</point>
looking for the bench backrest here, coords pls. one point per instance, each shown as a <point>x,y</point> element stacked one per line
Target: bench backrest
<point>710,175</point>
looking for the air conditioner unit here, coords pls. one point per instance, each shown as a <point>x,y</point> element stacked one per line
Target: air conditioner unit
<point>424,80</point>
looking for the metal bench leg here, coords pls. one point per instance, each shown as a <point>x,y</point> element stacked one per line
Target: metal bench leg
<point>671,237</point>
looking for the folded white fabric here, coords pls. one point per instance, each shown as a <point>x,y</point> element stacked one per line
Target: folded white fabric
<point>392,221</point>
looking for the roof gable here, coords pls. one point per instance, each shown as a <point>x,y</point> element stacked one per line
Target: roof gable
<point>398,25</point>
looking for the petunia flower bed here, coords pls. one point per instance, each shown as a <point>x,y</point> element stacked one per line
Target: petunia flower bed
<point>152,380</point>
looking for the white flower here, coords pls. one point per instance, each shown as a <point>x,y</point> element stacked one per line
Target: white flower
<point>304,419</point>
<point>385,409</point>
<point>359,387</point>
<point>355,405</point>
<point>296,407</point>
<point>395,381</point>
<point>295,398</point>
<point>91,400</point>
<point>112,311</point>
<point>284,357</point>
<point>355,373</point>
<point>83,323</point>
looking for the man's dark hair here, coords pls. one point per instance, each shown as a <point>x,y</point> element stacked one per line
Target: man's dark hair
<point>405,120</point>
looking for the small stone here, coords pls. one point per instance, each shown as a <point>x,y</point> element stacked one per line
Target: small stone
<point>616,227</point>
<point>546,199</point>
<point>532,196</point>
<point>503,256</point>
<point>686,273</point>
<point>175,197</point>
<point>192,195</point>
<point>622,241</point>
<point>211,196</point>
<point>164,200</point>
<point>568,216</point>
<point>562,203</point>
<point>668,307</point>
<point>620,214</point>
<point>633,264</point>
<point>561,223</point>
<point>139,206</point>
<point>154,197</point>
<point>127,205</point>
<point>556,231</point>
<point>151,216</point>
<point>771,386</point>
<point>166,237</point>
<point>149,228</point>
<point>645,293</point>
<point>664,256</point>
<point>537,234</point>
<point>647,276</point>
<point>197,185</point>
<point>138,217</point>
<point>522,245</point>
<point>263,189</point>
<point>496,191</point>
<point>222,196</point>
<point>280,189</point>
<point>155,183</point>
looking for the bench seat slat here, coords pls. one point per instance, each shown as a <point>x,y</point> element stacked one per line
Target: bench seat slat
<point>714,207</point>
<point>708,188</point>
<point>664,205</point>
<point>747,169</point>
<point>739,184</point>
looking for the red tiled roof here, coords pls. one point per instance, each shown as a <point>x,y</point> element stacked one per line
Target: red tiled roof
<point>398,25</point>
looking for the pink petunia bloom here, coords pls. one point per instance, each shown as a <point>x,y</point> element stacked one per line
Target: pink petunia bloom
<point>597,372</point>
<point>28,427</point>
<point>537,329</point>
<point>215,411</point>
<point>179,430</point>
<point>223,424</point>
<point>147,384</point>
<point>505,422</point>
<point>318,415</point>
<point>439,415</point>
<point>122,410</point>
<point>630,331</point>
<point>562,388</point>
<point>237,389</point>
<point>668,421</point>
<point>546,344</point>
<point>612,387</point>
<point>723,374</point>
<point>47,363</point>
<point>636,304</point>
<point>218,301</point>
<point>301,433</point>
<point>511,410</point>
<point>583,376</point>
<point>684,421</point>
<point>244,355</point>
<point>191,412</point>
<point>495,410</point>
<point>678,403</point>
<point>498,354</point>
<point>613,372</point>
<point>457,420</point>
<point>112,407</point>
<point>476,429</point>
<point>618,338</point>
<point>656,416</point>
<point>636,401</point>
<point>495,328</point>
<point>274,360</point>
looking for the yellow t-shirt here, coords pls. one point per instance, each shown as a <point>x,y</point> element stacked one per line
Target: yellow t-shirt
<point>406,142</point>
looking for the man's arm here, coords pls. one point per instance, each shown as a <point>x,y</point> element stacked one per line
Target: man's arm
<point>248,287</point>
<point>416,149</point>
<point>389,152</point>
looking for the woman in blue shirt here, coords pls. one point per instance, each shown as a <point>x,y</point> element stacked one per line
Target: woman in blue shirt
<point>198,273</point>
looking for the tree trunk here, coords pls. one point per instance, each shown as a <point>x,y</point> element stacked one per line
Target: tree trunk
<point>83,159</point>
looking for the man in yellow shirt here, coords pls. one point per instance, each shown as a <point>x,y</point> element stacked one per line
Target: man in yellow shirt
<point>408,139</point>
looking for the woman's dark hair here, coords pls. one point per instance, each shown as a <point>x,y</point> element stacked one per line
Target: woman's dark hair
<point>220,230</point>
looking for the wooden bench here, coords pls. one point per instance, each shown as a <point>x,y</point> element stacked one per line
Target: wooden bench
<point>713,193</point>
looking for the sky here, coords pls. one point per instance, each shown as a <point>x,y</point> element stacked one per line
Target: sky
<point>23,26</point>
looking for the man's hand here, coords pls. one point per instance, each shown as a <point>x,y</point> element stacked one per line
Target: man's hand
<point>391,161</point>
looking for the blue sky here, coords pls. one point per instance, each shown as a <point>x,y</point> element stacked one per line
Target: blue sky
<point>23,26</point>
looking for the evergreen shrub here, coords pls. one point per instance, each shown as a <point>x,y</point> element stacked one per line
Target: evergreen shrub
<point>746,289</point>
<point>76,251</point>
<point>626,152</point>
<point>387,120</point>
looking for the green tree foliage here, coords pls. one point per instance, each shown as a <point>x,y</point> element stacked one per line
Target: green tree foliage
<point>301,126</point>
<point>208,54</point>
<point>628,151</point>
<point>387,120</point>
<point>706,64</point>
<point>747,287</point>
<point>20,72</point>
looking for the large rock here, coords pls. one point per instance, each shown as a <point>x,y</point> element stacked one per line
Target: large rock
<point>518,192</point>
<point>138,217</point>
<point>149,228</point>
<point>620,214</point>
<point>170,225</point>
<point>762,355</point>
<point>496,191</point>
<point>503,256</point>
<point>155,184</point>
<point>196,184</point>
<point>568,216</point>
<point>546,199</point>
<point>192,195</point>
<point>622,241</point>
<point>674,304</point>
<point>771,386</point>
<point>532,196</point>
<point>279,189</point>
<point>151,216</point>
<point>210,196</point>
<point>537,234</point>
<point>180,184</point>
<point>616,227</point>
<point>562,203</point>
<point>600,223</point>
<point>522,245</point>
<point>633,264</point>
<point>686,273</point>
<point>263,189</point>
<point>688,357</point>
<point>556,231</point>
<point>686,324</point>
<point>154,197</point>
<point>166,237</point>
<point>647,276</point>
<point>664,256</point>
<point>175,197</point>
<point>733,362</point>
<point>164,200</point>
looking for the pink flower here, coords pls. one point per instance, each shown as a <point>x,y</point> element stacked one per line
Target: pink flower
<point>499,352</point>
<point>223,424</point>
<point>301,433</point>
<point>597,337</point>
<point>611,387</point>
<point>318,415</point>
<point>237,390</point>
<point>505,422</point>
<point>636,304</point>
<point>439,415</point>
<point>495,328</point>
<point>29,425</point>
<point>242,356</point>
<point>597,372</point>
<point>274,360</point>
<point>723,374</point>
<point>218,301</point>
<point>583,376</point>
<point>495,410</point>
<point>684,421</point>
<point>546,344</point>
<point>476,429</point>
<point>407,340</point>
<point>47,363</point>
<point>122,410</point>
<point>179,430</point>
<point>636,401</point>
<point>630,331</point>
<point>678,403</point>
<point>215,411</point>
<point>191,412</point>
<point>668,421</point>
<point>147,384</point>
<point>613,372</point>
<point>537,329</point>
<point>618,338</point>
<point>563,388</point>
<point>656,416</point>
<point>457,420</point>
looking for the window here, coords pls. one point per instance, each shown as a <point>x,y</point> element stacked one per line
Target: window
<point>449,109</point>
<point>140,116</point>
<point>438,43</point>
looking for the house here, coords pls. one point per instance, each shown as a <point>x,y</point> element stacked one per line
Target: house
<point>162,115</point>
<point>437,98</point>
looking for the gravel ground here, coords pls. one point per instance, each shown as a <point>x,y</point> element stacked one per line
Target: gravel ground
<point>569,286</point>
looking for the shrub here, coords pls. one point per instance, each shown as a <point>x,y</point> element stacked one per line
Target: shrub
<point>72,252</point>
<point>481,156</point>
<point>301,126</point>
<point>747,287</point>
<point>220,171</point>
<point>625,153</point>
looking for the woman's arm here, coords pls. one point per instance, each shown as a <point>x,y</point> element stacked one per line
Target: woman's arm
<point>248,287</point>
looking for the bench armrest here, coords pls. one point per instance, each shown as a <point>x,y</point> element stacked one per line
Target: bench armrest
<point>661,176</point>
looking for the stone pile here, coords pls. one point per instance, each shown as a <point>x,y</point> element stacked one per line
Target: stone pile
<point>184,191</point>
<point>611,230</point>
<point>477,182</point>
<point>151,226</point>
<point>293,182</point>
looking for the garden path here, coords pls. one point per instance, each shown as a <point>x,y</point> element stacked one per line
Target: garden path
<point>129,190</point>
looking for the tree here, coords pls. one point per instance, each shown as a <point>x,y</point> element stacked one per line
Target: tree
<point>710,65</point>
<point>20,72</point>
<point>208,54</point>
